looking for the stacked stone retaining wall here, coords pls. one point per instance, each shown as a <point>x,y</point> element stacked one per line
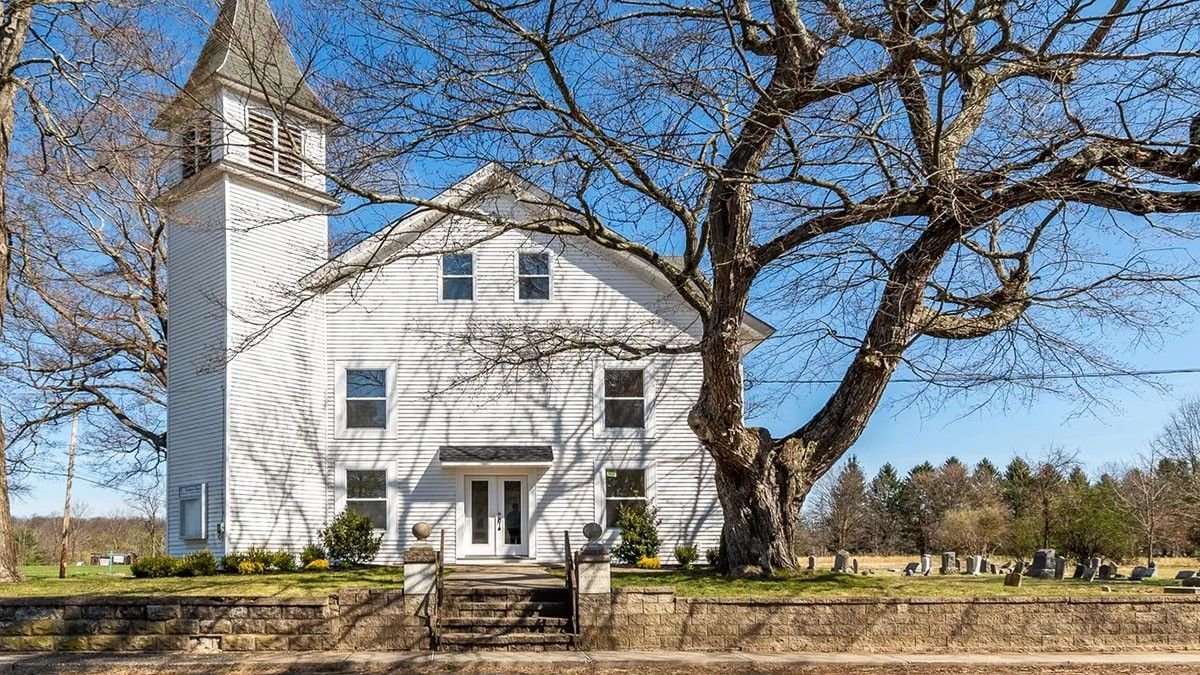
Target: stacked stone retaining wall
<point>658,619</point>
<point>351,620</point>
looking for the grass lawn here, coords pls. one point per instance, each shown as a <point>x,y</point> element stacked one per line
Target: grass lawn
<point>42,580</point>
<point>884,583</point>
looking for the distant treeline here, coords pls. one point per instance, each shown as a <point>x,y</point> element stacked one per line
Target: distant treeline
<point>1132,513</point>
<point>37,538</point>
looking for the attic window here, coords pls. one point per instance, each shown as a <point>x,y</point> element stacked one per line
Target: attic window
<point>196,147</point>
<point>274,146</point>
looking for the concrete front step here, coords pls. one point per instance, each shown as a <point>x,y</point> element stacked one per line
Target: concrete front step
<point>460,641</point>
<point>513,608</point>
<point>503,625</point>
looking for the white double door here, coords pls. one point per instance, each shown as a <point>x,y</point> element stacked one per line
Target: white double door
<point>497,516</point>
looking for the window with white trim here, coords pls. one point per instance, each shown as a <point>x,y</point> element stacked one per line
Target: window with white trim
<point>274,146</point>
<point>196,147</point>
<point>458,276</point>
<point>366,495</point>
<point>623,488</point>
<point>366,398</point>
<point>191,512</point>
<point>533,275</point>
<point>624,398</point>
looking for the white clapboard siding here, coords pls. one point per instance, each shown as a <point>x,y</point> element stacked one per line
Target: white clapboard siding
<point>277,481</point>
<point>392,316</point>
<point>195,357</point>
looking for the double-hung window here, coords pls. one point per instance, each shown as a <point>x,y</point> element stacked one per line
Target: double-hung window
<point>623,488</point>
<point>274,146</point>
<point>533,275</point>
<point>366,495</point>
<point>366,398</point>
<point>458,276</point>
<point>624,398</point>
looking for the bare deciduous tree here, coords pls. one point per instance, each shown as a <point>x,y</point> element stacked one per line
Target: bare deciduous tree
<point>960,190</point>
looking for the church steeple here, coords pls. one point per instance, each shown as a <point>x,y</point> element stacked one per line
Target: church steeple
<point>247,107</point>
<point>246,48</point>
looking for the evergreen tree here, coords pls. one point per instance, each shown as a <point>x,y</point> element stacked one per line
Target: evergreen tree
<point>888,514</point>
<point>1015,485</point>
<point>843,509</point>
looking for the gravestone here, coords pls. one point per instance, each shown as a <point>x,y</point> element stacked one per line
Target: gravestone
<point>1140,573</point>
<point>949,563</point>
<point>1019,567</point>
<point>983,565</point>
<point>910,570</point>
<point>1013,579</point>
<point>1060,568</point>
<point>812,563</point>
<point>1043,564</point>
<point>1080,568</point>
<point>974,563</point>
<point>840,560</point>
<point>854,565</point>
<point>1185,574</point>
<point>1107,572</point>
<point>926,564</point>
<point>992,568</point>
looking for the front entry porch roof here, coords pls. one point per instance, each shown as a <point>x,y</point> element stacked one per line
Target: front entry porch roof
<point>495,455</point>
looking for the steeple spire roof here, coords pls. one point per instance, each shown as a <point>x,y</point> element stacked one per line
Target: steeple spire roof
<point>246,47</point>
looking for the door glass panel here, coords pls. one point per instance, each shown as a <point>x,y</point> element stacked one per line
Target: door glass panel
<point>480,520</point>
<point>513,517</point>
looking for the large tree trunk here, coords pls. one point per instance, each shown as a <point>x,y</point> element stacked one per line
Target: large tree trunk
<point>15,28</point>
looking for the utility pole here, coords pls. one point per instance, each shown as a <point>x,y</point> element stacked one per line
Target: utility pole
<point>66,523</point>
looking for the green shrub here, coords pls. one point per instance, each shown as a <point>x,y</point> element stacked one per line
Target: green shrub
<point>312,552</point>
<point>686,555</point>
<point>639,534</point>
<point>712,555</point>
<point>198,564</point>
<point>154,566</point>
<point>259,555</point>
<point>283,561</point>
<point>350,540</point>
<point>250,567</point>
<point>230,561</point>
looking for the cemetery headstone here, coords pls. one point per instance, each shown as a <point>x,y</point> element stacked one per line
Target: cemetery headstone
<point>973,565</point>
<point>992,568</point>
<point>1013,579</point>
<point>1140,573</point>
<point>1185,574</point>
<point>949,563</point>
<point>926,563</point>
<point>1043,564</point>
<point>1060,568</point>
<point>911,569</point>
<point>1107,572</point>
<point>854,565</point>
<point>840,560</point>
<point>812,563</point>
<point>1080,568</point>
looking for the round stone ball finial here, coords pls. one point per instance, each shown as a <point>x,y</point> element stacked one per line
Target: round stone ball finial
<point>592,531</point>
<point>422,530</point>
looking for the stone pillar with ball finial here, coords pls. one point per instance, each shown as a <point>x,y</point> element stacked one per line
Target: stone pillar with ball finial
<point>594,564</point>
<point>420,568</point>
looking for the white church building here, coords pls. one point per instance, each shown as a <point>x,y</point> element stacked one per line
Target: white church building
<point>369,391</point>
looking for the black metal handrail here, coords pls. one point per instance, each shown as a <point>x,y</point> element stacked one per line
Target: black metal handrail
<point>572,574</point>
<point>435,618</point>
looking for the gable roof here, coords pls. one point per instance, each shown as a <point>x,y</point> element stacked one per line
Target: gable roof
<point>246,47</point>
<point>383,246</point>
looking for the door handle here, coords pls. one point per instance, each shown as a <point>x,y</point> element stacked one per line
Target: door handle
<point>499,520</point>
